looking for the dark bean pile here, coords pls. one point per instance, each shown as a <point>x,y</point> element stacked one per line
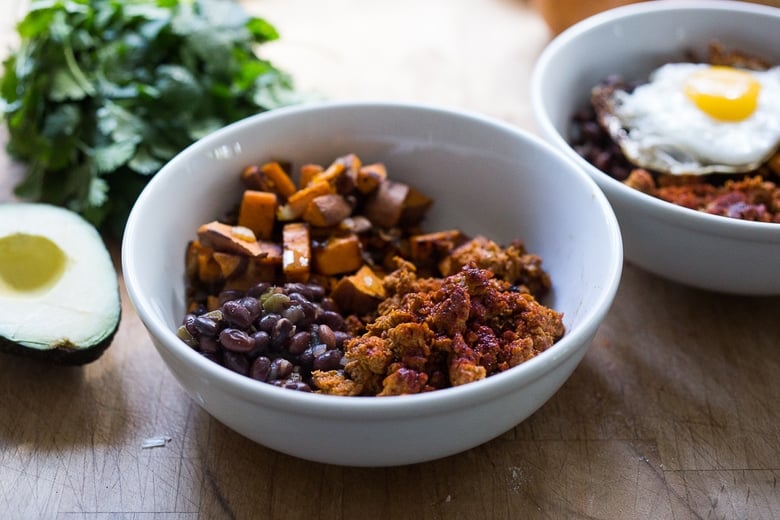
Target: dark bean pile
<point>274,334</point>
<point>596,146</point>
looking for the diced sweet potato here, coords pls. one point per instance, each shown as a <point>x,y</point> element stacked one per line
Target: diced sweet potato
<point>296,252</point>
<point>431,247</point>
<point>271,252</point>
<point>384,207</point>
<point>258,212</point>
<point>327,210</point>
<point>308,172</point>
<point>359,293</point>
<point>370,177</point>
<point>229,239</point>
<point>298,201</point>
<point>257,270</point>
<point>338,255</point>
<point>209,270</point>
<point>416,205</point>
<point>230,264</point>
<point>268,177</point>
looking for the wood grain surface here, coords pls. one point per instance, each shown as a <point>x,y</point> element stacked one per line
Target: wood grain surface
<point>673,413</point>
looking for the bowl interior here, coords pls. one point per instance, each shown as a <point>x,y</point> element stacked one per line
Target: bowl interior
<point>485,177</point>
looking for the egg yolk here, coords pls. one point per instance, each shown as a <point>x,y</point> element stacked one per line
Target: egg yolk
<point>724,93</point>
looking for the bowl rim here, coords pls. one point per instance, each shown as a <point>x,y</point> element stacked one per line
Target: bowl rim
<point>684,217</point>
<point>436,402</point>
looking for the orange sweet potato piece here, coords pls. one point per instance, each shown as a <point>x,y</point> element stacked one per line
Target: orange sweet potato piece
<point>370,177</point>
<point>229,239</point>
<point>230,264</point>
<point>431,247</point>
<point>268,177</point>
<point>296,252</point>
<point>359,293</point>
<point>338,255</point>
<point>385,206</point>
<point>258,212</point>
<point>327,210</point>
<point>308,172</point>
<point>298,201</point>
<point>416,205</point>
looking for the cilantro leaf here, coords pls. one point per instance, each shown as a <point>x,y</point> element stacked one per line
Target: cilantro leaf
<point>100,94</point>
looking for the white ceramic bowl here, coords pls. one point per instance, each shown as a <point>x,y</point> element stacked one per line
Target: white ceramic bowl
<point>485,177</point>
<point>690,247</point>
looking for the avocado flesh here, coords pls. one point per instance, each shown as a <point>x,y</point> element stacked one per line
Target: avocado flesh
<point>59,294</point>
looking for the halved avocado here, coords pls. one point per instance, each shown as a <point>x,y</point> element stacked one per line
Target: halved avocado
<point>59,293</point>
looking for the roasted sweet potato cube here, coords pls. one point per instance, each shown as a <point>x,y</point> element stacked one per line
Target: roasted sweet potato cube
<point>229,239</point>
<point>298,201</point>
<point>416,205</point>
<point>296,252</point>
<point>370,177</point>
<point>271,252</point>
<point>385,205</point>
<point>359,293</point>
<point>230,264</point>
<point>269,177</point>
<point>257,270</point>
<point>309,172</point>
<point>338,255</point>
<point>258,212</point>
<point>209,270</point>
<point>431,247</point>
<point>191,259</point>
<point>327,210</point>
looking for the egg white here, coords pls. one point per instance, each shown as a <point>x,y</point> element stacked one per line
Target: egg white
<point>659,127</point>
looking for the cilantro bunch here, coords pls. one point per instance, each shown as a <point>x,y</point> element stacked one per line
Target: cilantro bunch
<point>101,93</point>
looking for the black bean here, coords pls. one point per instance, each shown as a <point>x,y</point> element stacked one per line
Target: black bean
<point>208,344</point>
<point>328,360</point>
<point>189,324</point>
<point>332,319</point>
<point>281,368</point>
<point>316,291</point>
<point>206,326</point>
<point>293,385</point>
<point>235,362</point>
<point>261,368</point>
<point>299,342</point>
<point>326,336</point>
<point>252,305</point>
<point>262,341</point>
<point>258,290</point>
<point>306,359</point>
<point>298,298</point>
<point>282,332</point>
<point>236,314</point>
<point>341,337</point>
<point>328,304</point>
<point>236,340</point>
<point>268,322</point>
<point>229,294</point>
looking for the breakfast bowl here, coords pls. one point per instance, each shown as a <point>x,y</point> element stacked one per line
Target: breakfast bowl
<point>688,246</point>
<point>484,176</point>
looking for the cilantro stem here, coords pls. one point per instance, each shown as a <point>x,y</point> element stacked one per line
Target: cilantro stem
<point>78,74</point>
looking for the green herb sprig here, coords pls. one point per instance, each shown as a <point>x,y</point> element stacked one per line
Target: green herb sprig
<point>101,93</point>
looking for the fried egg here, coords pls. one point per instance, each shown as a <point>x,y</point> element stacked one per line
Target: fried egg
<point>697,119</point>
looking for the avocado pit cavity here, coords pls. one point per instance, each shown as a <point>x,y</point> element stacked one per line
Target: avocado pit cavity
<point>29,263</point>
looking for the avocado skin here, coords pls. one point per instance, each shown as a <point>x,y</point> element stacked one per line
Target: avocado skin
<point>61,356</point>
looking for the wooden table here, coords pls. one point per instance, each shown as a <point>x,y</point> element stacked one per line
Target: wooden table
<point>673,413</point>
